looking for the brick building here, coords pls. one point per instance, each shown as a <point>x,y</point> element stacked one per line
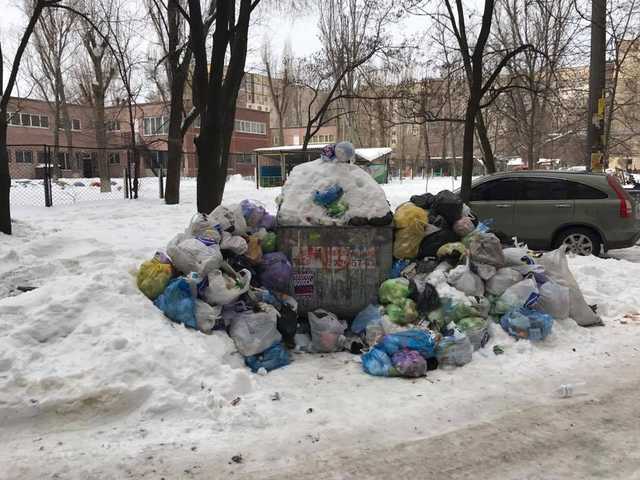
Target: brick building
<point>31,127</point>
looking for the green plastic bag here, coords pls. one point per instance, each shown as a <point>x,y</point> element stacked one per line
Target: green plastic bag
<point>337,209</point>
<point>402,314</point>
<point>471,323</point>
<point>269,243</point>
<point>394,290</point>
<point>454,252</point>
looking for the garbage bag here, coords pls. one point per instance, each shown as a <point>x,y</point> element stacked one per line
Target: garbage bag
<point>269,243</point>
<point>383,221</point>
<point>394,290</point>
<point>337,209</point>
<point>268,222</point>
<point>477,329</point>
<point>409,363</point>
<point>208,318</point>
<point>417,340</point>
<point>522,294</point>
<point>326,197</point>
<point>201,227</point>
<point>557,269</point>
<point>376,362</point>
<point>275,272</point>
<point>485,272</point>
<point>406,243</point>
<point>452,252</point>
<point>153,277</point>
<point>427,298</point>
<point>409,216</point>
<point>448,205</point>
<point>555,300</point>
<point>253,213</point>
<point>253,332</point>
<point>191,255</point>
<point>371,314</point>
<point>503,279</point>
<point>177,303</point>
<point>274,357</point>
<point>254,250</point>
<point>345,152</point>
<point>486,248</point>
<point>222,289</point>
<point>423,201</point>
<point>463,227</point>
<point>431,243</point>
<point>516,256</point>
<point>427,265</point>
<point>229,218</point>
<point>402,314</point>
<point>456,311</point>
<point>397,267</point>
<point>527,323</point>
<point>234,243</point>
<point>327,332</point>
<point>288,324</point>
<point>454,351</point>
<point>463,279</point>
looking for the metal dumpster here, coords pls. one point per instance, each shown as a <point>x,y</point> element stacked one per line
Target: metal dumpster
<point>338,268</point>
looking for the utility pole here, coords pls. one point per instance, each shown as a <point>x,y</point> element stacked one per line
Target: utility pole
<point>597,71</point>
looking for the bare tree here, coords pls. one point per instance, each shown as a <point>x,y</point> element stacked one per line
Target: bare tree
<point>280,80</point>
<point>52,42</point>
<point>5,177</point>
<point>176,54</point>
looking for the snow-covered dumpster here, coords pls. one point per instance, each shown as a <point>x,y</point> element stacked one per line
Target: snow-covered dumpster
<point>338,268</point>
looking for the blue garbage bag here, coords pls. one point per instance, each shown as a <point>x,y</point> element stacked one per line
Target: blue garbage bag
<point>327,196</point>
<point>417,340</point>
<point>376,362</point>
<point>275,356</point>
<point>397,267</point>
<point>526,323</point>
<point>366,317</point>
<point>177,303</point>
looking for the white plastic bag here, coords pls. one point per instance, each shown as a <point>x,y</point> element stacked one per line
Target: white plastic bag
<point>463,279</point>
<point>515,256</point>
<point>200,226</point>
<point>235,243</point>
<point>223,289</point>
<point>254,332</point>
<point>485,272</point>
<point>229,218</point>
<point>554,300</point>
<point>207,316</point>
<point>486,248</point>
<point>521,294</point>
<point>326,331</point>
<point>557,269</point>
<point>503,279</point>
<point>191,255</point>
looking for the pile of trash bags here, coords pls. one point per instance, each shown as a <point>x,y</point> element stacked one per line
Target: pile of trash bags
<point>224,273</point>
<point>453,278</point>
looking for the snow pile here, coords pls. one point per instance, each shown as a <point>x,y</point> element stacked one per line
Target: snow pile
<point>365,197</point>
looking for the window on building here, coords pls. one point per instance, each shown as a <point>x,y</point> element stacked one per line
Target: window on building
<point>24,156</point>
<point>249,126</point>
<point>75,124</point>
<point>18,119</point>
<point>25,120</point>
<point>40,158</point>
<point>156,125</point>
<point>44,121</point>
<point>14,119</point>
<point>114,158</point>
<point>35,120</point>
<point>64,161</point>
<point>112,125</point>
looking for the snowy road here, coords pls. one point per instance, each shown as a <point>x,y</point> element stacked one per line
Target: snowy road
<point>96,384</point>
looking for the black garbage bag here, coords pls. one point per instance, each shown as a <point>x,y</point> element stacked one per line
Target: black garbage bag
<point>427,265</point>
<point>288,325</point>
<point>427,300</point>
<point>240,262</point>
<point>381,221</point>
<point>448,205</point>
<point>431,243</point>
<point>358,221</point>
<point>423,201</point>
<point>439,221</point>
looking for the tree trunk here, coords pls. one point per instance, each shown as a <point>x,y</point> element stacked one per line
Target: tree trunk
<point>101,141</point>
<point>485,143</point>
<point>5,180</point>
<point>467,149</point>
<point>176,140</point>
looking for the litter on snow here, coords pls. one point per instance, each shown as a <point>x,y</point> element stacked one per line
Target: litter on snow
<point>451,279</point>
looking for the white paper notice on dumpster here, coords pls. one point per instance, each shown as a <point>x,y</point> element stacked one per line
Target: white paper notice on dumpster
<point>303,284</point>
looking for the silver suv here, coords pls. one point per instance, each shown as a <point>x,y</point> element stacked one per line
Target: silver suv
<point>588,212</point>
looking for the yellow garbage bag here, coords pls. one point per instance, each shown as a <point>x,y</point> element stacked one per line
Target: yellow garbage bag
<point>406,243</point>
<point>153,278</point>
<point>409,216</point>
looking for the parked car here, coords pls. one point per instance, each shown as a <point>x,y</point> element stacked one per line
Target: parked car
<point>588,212</point>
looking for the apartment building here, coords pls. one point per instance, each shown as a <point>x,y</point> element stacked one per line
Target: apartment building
<point>31,127</point>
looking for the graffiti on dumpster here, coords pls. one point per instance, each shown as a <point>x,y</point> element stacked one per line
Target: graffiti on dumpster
<point>334,258</point>
<point>303,284</point>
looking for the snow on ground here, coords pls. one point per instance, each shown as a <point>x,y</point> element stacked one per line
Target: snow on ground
<point>96,383</point>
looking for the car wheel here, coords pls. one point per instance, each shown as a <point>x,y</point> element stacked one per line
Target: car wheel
<point>580,241</point>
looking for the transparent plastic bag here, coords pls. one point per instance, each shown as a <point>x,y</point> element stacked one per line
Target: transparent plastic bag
<point>555,300</point>
<point>191,255</point>
<point>223,289</point>
<point>327,332</point>
<point>254,332</point>
<point>486,248</point>
<point>503,279</point>
<point>527,323</point>
<point>208,318</point>
<point>463,279</point>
